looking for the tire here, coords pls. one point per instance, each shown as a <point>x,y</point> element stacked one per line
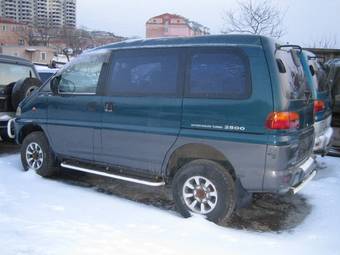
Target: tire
<point>218,184</point>
<point>4,136</point>
<point>45,163</point>
<point>22,89</point>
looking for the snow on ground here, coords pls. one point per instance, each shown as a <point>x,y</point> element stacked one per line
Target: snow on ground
<point>41,217</point>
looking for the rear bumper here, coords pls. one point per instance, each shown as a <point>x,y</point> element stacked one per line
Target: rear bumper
<point>323,142</point>
<point>309,172</point>
<point>290,180</point>
<point>323,136</point>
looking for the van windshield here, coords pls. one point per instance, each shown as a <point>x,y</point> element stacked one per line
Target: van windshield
<point>11,73</point>
<point>293,81</point>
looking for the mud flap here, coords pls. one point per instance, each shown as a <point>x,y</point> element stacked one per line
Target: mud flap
<point>244,198</point>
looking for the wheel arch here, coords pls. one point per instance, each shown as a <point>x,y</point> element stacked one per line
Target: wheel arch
<point>28,129</point>
<point>193,151</point>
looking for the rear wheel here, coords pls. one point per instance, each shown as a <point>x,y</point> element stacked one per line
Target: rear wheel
<point>205,187</point>
<point>37,155</point>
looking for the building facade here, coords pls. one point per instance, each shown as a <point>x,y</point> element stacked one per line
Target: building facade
<point>325,54</point>
<point>166,25</point>
<point>52,13</point>
<point>13,33</point>
<point>35,54</point>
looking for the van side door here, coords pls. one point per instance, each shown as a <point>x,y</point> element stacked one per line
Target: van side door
<point>73,114</point>
<point>142,108</point>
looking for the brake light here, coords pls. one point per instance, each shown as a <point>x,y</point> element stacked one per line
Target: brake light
<point>319,106</point>
<point>283,120</point>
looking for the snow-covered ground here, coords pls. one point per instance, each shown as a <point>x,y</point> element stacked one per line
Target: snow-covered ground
<point>40,217</point>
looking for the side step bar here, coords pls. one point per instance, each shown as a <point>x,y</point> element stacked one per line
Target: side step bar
<point>113,176</point>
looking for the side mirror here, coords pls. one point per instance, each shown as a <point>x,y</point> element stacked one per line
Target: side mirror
<point>55,85</point>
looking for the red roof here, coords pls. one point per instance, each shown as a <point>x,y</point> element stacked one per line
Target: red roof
<point>167,16</point>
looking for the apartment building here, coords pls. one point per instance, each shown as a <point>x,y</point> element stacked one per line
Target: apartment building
<point>53,13</point>
<point>167,24</point>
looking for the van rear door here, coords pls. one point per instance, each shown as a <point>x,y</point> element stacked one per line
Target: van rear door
<point>296,93</point>
<point>297,98</point>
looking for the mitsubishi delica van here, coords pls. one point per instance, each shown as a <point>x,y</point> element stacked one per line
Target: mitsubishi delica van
<point>212,117</point>
<point>321,92</point>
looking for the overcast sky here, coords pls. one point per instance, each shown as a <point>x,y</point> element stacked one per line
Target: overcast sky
<point>306,21</point>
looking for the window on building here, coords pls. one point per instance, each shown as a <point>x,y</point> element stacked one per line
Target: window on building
<point>218,73</point>
<point>4,28</point>
<point>21,42</point>
<point>144,73</point>
<point>43,56</point>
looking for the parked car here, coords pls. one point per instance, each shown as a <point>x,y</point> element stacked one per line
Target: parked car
<point>215,117</point>
<point>321,93</point>
<point>45,72</point>
<point>18,79</point>
<point>333,68</point>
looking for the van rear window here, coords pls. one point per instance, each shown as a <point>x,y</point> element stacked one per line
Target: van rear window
<point>218,73</point>
<point>293,81</point>
<point>321,76</point>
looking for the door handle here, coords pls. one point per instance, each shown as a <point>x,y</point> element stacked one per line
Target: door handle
<point>109,107</point>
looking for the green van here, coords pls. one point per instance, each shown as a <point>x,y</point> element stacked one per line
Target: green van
<point>321,92</point>
<point>214,117</point>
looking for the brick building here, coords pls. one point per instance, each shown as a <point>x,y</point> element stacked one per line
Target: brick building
<point>166,25</point>
<point>35,54</point>
<point>13,32</point>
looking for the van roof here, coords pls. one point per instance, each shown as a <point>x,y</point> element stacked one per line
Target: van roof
<point>187,41</point>
<point>14,60</point>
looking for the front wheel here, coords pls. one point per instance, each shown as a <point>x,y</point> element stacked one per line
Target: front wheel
<point>37,155</point>
<point>204,187</point>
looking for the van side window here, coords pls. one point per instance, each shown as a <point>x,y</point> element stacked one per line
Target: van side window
<point>81,76</point>
<point>218,73</point>
<point>144,72</point>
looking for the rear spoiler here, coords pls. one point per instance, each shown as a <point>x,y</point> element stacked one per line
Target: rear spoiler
<point>293,46</point>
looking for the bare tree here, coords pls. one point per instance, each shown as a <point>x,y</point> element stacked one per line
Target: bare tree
<point>258,17</point>
<point>326,42</point>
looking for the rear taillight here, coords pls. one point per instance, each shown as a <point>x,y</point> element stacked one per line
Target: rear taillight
<point>319,106</point>
<point>283,120</point>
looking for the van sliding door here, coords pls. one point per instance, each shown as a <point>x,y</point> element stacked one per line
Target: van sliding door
<point>141,109</point>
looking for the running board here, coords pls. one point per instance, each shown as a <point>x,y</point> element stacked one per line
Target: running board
<point>113,176</point>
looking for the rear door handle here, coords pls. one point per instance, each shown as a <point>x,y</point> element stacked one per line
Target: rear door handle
<point>109,107</point>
